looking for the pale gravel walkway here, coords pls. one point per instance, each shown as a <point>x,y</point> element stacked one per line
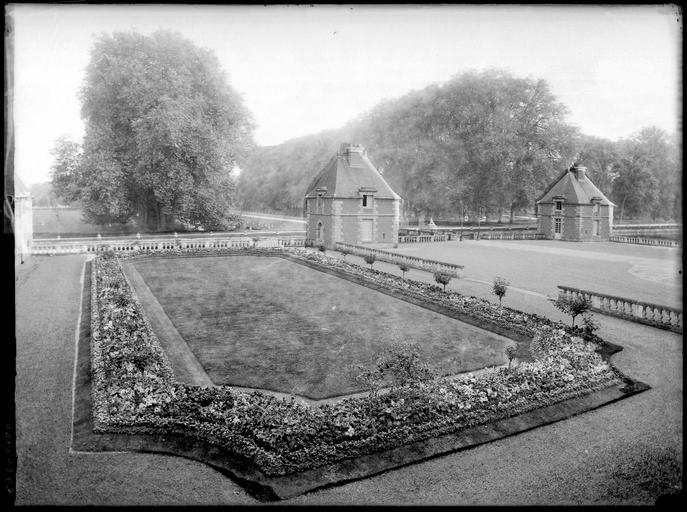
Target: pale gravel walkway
<point>624,453</point>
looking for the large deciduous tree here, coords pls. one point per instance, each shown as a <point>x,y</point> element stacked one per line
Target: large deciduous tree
<point>66,168</point>
<point>163,132</point>
<point>647,185</point>
<point>640,174</point>
<point>602,159</point>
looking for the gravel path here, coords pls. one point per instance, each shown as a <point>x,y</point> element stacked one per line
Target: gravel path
<point>47,473</point>
<point>653,274</point>
<point>629,452</point>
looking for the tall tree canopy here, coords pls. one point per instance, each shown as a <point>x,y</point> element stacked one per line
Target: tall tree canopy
<point>648,179</point>
<point>486,139</point>
<point>641,174</point>
<point>66,169</point>
<point>163,132</point>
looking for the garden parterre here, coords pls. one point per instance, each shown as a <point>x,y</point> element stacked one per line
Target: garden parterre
<point>134,389</point>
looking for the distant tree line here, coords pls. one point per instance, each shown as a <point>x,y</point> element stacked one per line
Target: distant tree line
<point>641,174</point>
<point>482,141</point>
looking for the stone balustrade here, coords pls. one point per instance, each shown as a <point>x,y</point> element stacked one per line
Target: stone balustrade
<point>403,239</point>
<point>644,241</point>
<point>637,311</point>
<point>488,233</point>
<point>511,236</point>
<point>90,245</point>
<point>397,259</point>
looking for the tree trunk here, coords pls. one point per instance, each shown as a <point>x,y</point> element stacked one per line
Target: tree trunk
<point>160,217</point>
<point>512,207</point>
<point>622,209</point>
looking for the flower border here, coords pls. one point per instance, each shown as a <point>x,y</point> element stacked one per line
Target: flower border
<point>134,390</point>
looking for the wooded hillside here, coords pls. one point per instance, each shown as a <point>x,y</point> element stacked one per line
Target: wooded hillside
<point>481,140</point>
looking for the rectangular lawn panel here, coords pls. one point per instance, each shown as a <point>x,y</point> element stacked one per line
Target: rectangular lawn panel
<point>270,323</point>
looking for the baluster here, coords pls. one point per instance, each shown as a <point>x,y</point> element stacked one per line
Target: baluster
<point>672,317</point>
<point>656,314</point>
<point>665,316</point>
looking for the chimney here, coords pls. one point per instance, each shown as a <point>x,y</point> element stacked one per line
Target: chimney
<point>347,148</point>
<point>580,172</point>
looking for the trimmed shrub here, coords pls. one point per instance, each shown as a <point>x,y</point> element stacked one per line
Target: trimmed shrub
<point>573,306</point>
<point>510,352</point>
<point>442,278</point>
<point>500,287</point>
<point>589,327</point>
<point>370,259</point>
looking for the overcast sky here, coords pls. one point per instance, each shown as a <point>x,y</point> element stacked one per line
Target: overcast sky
<point>304,69</point>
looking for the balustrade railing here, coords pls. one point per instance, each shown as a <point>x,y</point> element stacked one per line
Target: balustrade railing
<point>76,246</point>
<point>644,241</point>
<point>511,236</point>
<point>630,309</point>
<point>486,234</point>
<point>397,259</point>
<point>423,238</point>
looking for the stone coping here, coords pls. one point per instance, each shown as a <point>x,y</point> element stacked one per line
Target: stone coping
<point>269,488</point>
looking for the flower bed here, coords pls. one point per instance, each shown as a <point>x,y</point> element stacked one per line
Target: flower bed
<point>507,318</point>
<point>134,390</point>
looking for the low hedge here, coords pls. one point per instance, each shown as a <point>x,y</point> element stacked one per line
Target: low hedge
<point>134,389</point>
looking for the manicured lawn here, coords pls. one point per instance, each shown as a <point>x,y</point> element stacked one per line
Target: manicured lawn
<point>269,323</point>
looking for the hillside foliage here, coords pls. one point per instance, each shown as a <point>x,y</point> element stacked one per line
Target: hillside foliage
<point>485,140</point>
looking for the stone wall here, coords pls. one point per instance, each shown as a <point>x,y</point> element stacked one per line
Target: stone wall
<point>342,220</point>
<point>23,228</point>
<point>577,222</point>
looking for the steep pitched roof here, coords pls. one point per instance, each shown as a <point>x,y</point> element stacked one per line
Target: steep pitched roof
<point>575,187</point>
<point>349,171</point>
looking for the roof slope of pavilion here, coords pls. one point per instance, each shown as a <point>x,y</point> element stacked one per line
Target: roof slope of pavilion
<point>574,188</point>
<point>350,173</point>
